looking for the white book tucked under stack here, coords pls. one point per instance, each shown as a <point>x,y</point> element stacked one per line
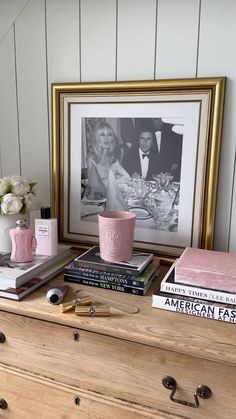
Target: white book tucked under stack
<point>19,279</point>
<point>200,283</point>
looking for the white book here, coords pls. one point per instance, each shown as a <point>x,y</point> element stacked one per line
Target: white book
<point>168,285</point>
<point>194,307</point>
<point>13,275</point>
<point>32,284</point>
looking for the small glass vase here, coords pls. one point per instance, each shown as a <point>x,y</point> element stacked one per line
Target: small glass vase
<point>6,223</point>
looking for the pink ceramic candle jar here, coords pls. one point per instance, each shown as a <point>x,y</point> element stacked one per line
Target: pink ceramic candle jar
<point>116,235</point>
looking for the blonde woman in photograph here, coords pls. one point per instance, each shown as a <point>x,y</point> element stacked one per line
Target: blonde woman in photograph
<point>103,163</point>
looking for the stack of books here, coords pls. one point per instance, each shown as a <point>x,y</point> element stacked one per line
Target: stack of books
<point>200,283</point>
<point>20,279</point>
<point>133,276</point>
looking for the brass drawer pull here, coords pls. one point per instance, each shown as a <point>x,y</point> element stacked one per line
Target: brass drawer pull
<point>2,337</point>
<point>3,404</point>
<point>202,391</point>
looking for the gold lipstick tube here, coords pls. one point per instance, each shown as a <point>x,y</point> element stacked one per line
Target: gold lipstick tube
<point>93,310</point>
<point>70,305</point>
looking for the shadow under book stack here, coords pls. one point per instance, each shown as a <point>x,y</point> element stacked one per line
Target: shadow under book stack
<point>134,276</point>
<point>200,283</point>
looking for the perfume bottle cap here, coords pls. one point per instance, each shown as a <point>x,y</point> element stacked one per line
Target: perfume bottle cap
<point>45,212</point>
<point>21,223</point>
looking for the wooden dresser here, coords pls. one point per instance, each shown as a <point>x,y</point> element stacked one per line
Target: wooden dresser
<point>56,365</point>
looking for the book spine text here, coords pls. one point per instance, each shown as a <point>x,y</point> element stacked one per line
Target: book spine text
<point>201,293</point>
<point>104,276</point>
<point>103,284</point>
<point>195,308</point>
<point>112,268</point>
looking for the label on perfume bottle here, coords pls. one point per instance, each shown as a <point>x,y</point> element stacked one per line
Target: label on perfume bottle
<point>43,231</point>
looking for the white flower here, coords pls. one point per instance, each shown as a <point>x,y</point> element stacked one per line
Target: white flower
<point>30,201</point>
<point>17,195</point>
<point>19,185</point>
<point>4,187</point>
<point>11,204</point>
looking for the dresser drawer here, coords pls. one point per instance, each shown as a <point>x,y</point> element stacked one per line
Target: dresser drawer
<point>21,393</point>
<point>115,367</point>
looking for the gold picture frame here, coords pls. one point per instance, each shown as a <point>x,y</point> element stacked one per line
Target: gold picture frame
<point>197,106</point>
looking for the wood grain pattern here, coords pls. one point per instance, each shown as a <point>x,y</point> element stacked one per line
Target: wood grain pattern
<point>57,401</point>
<point>113,367</point>
<point>208,339</point>
<point>123,357</point>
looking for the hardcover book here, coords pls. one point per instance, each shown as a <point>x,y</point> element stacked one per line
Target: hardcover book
<point>207,268</point>
<point>139,281</point>
<point>13,275</point>
<point>168,285</point>
<point>92,260</point>
<point>110,285</point>
<point>31,285</point>
<point>194,307</point>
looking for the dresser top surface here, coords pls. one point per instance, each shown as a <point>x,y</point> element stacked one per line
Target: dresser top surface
<point>177,332</point>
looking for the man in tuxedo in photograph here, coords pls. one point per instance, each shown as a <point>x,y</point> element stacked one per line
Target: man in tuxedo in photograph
<point>169,148</point>
<point>142,158</point>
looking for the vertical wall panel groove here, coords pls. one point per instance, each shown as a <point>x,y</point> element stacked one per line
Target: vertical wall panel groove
<point>17,104</point>
<point>47,87</point>
<point>198,36</point>
<point>216,58</point>
<point>136,39</point>
<point>32,96</point>
<point>62,45</point>
<point>10,159</point>
<point>98,40</point>
<point>63,40</point>
<point>79,18</point>
<point>10,10</point>
<point>116,57</point>
<point>155,42</point>
<point>177,33</point>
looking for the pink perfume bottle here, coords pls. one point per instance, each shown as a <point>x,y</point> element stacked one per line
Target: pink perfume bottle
<point>23,242</point>
<point>46,233</point>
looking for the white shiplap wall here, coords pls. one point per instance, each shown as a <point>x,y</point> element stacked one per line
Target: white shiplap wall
<point>45,41</point>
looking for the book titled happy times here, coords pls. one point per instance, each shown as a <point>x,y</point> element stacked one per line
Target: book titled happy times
<point>175,297</point>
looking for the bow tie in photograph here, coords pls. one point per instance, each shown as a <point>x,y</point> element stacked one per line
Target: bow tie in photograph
<point>145,155</point>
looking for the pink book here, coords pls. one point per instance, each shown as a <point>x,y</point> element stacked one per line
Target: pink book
<point>207,268</point>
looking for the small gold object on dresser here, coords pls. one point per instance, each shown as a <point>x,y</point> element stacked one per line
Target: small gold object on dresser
<point>93,310</point>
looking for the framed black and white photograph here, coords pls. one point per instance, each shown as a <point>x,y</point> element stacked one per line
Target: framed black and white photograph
<point>149,147</point>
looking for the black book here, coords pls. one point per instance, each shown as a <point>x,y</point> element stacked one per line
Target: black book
<point>109,285</point>
<point>139,281</point>
<point>134,266</point>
